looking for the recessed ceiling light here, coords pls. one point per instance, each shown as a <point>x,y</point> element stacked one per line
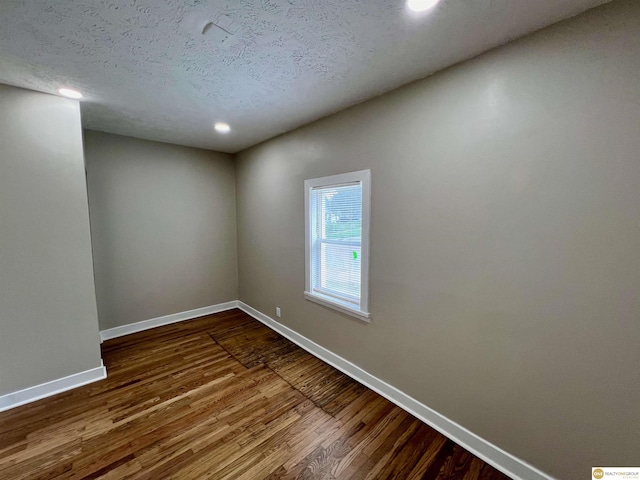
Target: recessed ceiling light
<point>69,92</point>
<point>222,127</point>
<point>421,5</point>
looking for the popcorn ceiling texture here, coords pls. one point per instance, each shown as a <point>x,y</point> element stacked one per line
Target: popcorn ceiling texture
<point>265,66</point>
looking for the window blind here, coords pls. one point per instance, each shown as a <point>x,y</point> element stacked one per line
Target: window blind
<point>336,214</point>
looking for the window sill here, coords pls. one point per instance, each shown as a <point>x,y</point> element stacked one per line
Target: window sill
<point>364,316</point>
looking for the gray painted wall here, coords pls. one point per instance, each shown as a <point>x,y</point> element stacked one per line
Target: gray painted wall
<point>48,317</point>
<point>505,259</point>
<point>163,227</point>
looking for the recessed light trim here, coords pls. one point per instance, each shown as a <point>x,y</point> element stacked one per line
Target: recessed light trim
<point>421,5</point>
<point>222,127</point>
<point>70,93</point>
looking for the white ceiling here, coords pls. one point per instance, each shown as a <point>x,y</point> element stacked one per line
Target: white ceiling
<point>265,66</point>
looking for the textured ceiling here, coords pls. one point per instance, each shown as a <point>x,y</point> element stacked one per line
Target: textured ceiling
<point>265,66</point>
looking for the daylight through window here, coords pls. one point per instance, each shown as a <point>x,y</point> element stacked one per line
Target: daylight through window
<point>337,223</point>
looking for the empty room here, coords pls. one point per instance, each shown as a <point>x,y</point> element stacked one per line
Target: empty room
<point>338,239</point>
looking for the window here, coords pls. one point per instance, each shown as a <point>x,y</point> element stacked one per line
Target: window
<point>337,212</point>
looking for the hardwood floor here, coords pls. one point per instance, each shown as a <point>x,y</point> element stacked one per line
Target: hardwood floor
<point>223,397</point>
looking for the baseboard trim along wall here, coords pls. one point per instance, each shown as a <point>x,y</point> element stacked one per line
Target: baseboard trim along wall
<point>490,453</point>
<point>165,320</point>
<point>48,389</point>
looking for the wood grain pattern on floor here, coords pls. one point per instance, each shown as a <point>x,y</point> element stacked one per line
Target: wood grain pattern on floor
<point>223,397</point>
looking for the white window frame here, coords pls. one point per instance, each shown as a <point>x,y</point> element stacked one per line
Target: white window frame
<point>364,178</point>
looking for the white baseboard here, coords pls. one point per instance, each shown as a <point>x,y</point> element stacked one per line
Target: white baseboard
<point>490,453</point>
<point>31,394</point>
<point>165,320</point>
<point>44,390</point>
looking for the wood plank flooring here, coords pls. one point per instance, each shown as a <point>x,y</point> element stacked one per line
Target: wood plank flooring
<point>223,397</point>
